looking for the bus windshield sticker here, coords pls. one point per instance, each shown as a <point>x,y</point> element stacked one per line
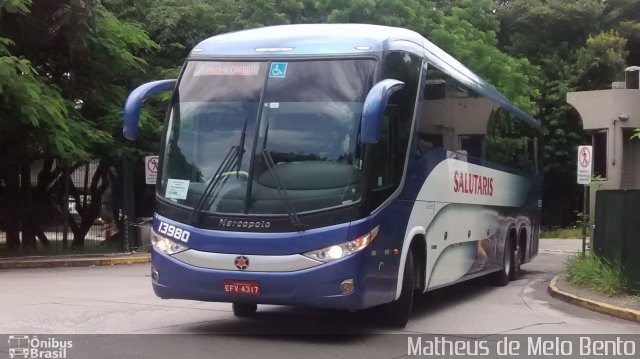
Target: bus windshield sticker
<point>227,69</point>
<point>177,188</point>
<point>278,69</point>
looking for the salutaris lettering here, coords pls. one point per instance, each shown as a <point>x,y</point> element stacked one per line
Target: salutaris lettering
<point>465,182</point>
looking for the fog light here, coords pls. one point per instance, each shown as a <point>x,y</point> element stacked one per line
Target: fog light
<point>155,276</point>
<point>346,287</point>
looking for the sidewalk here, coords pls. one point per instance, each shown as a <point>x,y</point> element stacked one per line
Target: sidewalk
<point>74,260</point>
<point>624,307</point>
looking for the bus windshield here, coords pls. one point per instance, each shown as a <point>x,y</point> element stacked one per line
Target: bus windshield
<point>304,114</point>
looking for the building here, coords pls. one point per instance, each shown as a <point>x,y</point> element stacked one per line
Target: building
<point>610,117</point>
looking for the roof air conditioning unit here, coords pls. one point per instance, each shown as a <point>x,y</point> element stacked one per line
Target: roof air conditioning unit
<point>632,77</point>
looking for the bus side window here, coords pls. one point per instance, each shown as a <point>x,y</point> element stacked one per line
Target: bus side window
<point>391,149</point>
<point>384,155</point>
<point>511,143</point>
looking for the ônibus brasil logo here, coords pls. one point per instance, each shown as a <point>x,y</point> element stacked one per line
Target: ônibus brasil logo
<point>31,347</point>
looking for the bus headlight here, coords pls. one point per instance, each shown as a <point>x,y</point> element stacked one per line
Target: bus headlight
<point>342,250</point>
<point>165,245</point>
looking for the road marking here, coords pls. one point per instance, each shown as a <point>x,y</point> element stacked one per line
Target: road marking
<point>560,251</point>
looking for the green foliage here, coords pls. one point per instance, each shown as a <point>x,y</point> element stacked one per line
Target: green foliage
<point>34,113</point>
<point>466,28</point>
<point>636,133</point>
<point>562,233</point>
<point>457,34</point>
<point>63,78</point>
<point>598,274</point>
<point>89,58</point>
<point>624,17</point>
<point>66,66</point>
<point>600,61</point>
<point>15,6</point>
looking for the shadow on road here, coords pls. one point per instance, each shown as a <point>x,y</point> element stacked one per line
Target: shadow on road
<point>279,321</point>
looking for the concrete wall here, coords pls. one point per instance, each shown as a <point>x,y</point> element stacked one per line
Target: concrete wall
<point>601,110</point>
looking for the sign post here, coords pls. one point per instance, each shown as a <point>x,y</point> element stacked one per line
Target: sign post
<point>585,164</point>
<point>150,169</point>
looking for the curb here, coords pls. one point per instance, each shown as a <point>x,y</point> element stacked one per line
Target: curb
<point>596,306</point>
<point>74,262</point>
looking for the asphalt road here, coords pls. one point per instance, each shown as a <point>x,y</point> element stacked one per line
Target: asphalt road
<point>119,300</point>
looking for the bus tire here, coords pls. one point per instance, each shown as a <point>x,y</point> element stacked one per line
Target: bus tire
<point>396,314</point>
<point>516,262</point>
<point>242,310</point>
<point>503,276</point>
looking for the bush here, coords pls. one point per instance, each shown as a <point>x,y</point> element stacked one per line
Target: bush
<point>598,274</point>
<point>571,232</point>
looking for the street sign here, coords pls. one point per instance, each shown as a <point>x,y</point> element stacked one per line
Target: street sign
<point>585,163</point>
<point>151,169</point>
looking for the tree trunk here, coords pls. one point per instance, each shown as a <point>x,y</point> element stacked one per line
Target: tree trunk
<point>42,237</point>
<point>28,235</point>
<point>11,176</point>
<point>89,211</point>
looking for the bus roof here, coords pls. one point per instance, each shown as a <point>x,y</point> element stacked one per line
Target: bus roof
<point>342,39</point>
<point>304,39</point>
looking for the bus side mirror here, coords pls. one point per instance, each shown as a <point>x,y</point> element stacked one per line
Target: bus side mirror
<point>134,104</point>
<point>373,109</point>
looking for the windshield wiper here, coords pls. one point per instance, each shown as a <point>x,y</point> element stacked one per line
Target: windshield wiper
<point>282,191</point>
<point>232,159</point>
<point>228,163</point>
<point>241,147</point>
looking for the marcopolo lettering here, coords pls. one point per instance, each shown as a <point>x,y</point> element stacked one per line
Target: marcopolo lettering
<point>228,223</point>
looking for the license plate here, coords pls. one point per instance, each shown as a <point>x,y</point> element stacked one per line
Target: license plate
<point>243,287</point>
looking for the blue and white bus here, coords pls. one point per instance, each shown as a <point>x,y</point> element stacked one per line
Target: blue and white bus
<point>337,166</point>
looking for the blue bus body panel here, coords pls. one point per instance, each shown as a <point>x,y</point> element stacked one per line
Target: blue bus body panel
<point>208,240</point>
<point>313,287</point>
<point>374,270</point>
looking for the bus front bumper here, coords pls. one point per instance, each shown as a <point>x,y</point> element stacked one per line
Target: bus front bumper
<point>316,287</point>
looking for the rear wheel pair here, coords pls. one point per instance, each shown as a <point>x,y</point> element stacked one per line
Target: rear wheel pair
<point>510,266</point>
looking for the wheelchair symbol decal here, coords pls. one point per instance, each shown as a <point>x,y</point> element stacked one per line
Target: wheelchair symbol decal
<point>278,69</point>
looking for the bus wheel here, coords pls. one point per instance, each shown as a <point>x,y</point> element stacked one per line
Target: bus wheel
<point>516,261</point>
<point>244,310</point>
<point>502,277</point>
<point>396,314</point>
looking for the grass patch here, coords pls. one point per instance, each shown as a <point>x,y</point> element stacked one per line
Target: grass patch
<point>600,275</point>
<point>564,233</point>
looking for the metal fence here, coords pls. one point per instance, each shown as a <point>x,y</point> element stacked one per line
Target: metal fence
<point>52,215</point>
<point>59,235</point>
<point>615,234</point>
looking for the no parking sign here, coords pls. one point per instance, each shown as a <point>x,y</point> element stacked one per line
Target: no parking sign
<point>585,161</point>
<point>151,169</point>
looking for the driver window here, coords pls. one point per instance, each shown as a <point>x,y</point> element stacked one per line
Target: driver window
<point>391,150</point>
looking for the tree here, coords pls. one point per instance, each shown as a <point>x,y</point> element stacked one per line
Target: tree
<point>600,61</point>
<point>33,123</point>
<point>88,59</point>
<point>624,17</point>
<point>576,45</point>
